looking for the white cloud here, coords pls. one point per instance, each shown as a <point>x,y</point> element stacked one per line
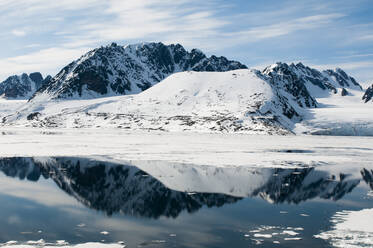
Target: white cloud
<point>367,37</point>
<point>33,45</point>
<point>149,20</point>
<point>18,33</point>
<point>356,56</point>
<point>46,60</point>
<point>72,27</point>
<point>286,27</point>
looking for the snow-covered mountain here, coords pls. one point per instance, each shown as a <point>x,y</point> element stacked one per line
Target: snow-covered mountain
<point>308,82</point>
<point>270,101</point>
<point>22,86</point>
<point>155,189</point>
<point>152,86</point>
<point>235,101</point>
<point>120,70</point>
<point>368,95</point>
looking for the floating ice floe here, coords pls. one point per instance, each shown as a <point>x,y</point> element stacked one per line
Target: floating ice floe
<point>59,243</point>
<point>350,229</point>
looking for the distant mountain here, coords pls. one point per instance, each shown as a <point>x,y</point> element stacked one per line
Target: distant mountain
<point>121,70</point>
<point>22,86</point>
<point>368,95</point>
<point>309,82</point>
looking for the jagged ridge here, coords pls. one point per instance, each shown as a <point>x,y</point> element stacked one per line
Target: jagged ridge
<point>121,70</point>
<point>22,86</point>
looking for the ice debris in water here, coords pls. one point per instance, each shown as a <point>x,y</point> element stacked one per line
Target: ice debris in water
<point>268,232</point>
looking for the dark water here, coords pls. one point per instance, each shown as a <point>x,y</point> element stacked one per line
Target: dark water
<point>83,200</point>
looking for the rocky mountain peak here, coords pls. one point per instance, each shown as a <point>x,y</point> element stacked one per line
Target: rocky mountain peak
<point>21,86</point>
<point>289,78</point>
<point>37,78</point>
<point>121,70</point>
<point>329,81</point>
<point>342,79</point>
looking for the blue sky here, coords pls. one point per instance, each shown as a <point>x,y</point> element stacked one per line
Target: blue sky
<point>43,35</point>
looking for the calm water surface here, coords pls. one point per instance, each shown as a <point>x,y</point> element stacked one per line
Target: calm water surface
<point>174,205</point>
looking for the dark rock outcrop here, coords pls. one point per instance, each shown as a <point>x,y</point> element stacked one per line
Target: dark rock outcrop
<point>368,95</point>
<point>342,78</point>
<point>22,86</point>
<point>344,92</point>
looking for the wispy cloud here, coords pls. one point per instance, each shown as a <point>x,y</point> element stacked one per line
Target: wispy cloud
<point>19,33</point>
<point>352,56</point>
<point>286,27</point>
<point>149,20</point>
<point>347,65</point>
<point>246,29</point>
<point>50,60</point>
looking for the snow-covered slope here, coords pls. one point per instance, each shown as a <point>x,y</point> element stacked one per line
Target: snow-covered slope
<point>234,101</point>
<point>22,86</point>
<point>338,97</point>
<point>339,115</point>
<point>9,106</point>
<point>122,70</point>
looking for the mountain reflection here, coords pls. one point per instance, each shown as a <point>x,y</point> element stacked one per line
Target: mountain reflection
<point>367,177</point>
<point>127,189</point>
<point>112,187</point>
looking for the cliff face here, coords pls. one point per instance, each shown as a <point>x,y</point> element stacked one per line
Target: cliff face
<point>368,95</point>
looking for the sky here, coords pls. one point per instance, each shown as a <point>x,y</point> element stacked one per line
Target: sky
<point>44,35</point>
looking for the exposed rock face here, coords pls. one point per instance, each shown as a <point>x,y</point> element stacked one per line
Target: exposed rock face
<point>119,70</point>
<point>344,92</point>
<point>368,95</point>
<point>22,86</point>
<point>301,78</point>
<point>37,78</point>
<point>342,78</point>
<point>286,77</point>
<point>300,82</point>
